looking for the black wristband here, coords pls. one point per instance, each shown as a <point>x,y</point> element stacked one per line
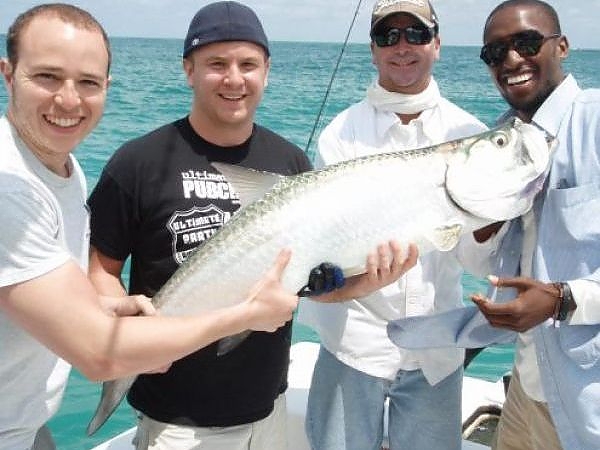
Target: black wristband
<point>567,302</point>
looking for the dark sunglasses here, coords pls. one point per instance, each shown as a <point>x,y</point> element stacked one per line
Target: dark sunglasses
<point>417,35</point>
<point>525,43</point>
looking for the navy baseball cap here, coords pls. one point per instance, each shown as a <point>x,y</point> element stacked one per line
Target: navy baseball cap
<point>224,21</point>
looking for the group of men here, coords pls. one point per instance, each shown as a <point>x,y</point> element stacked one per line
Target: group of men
<point>63,300</point>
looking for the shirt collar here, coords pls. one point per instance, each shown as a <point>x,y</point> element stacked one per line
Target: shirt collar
<point>386,120</point>
<point>560,100</point>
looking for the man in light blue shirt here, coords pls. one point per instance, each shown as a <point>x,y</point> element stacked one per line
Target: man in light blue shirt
<point>554,398</point>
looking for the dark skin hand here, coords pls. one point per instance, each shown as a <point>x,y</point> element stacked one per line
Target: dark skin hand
<point>483,234</point>
<point>535,302</point>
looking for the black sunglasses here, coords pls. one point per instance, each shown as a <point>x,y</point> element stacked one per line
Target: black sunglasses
<point>417,35</point>
<point>525,43</point>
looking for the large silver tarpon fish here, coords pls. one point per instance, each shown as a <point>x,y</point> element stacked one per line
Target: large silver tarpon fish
<point>430,196</point>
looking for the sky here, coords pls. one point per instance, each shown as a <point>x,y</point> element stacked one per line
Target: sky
<point>312,20</point>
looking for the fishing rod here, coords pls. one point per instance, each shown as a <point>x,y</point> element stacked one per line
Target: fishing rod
<point>335,69</point>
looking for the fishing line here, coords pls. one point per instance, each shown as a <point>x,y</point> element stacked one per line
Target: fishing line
<point>335,69</point>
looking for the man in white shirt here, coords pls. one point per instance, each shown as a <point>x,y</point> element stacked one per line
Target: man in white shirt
<point>57,75</point>
<point>358,366</point>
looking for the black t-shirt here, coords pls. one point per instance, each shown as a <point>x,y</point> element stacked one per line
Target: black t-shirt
<point>157,199</point>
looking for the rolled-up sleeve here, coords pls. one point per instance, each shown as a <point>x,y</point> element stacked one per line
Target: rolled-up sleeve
<point>587,296</point>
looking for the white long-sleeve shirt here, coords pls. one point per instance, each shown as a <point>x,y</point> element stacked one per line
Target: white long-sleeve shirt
<point>355,331</point>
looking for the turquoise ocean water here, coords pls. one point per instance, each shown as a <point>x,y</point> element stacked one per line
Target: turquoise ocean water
<point>148,89</point>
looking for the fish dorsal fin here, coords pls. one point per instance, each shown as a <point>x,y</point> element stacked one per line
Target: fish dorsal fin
<point>249,184</point>
<point>445,237</point>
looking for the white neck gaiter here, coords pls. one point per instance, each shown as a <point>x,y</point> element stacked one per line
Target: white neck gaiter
<point>398,103</point>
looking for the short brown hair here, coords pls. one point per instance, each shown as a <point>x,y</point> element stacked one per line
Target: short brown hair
<point>67,13</point>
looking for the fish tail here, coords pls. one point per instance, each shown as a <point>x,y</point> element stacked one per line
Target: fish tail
<point>113,393</point>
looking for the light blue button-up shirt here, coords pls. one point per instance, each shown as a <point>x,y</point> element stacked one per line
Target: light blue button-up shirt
<point>567,249</point>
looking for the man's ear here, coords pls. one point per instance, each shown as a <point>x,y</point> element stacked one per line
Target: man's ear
<point>563,47</point>
<point>437,42</point>
<point>188,69</point>
<point>6,69</point>
<point>372,46</point>
<point>267,69</point>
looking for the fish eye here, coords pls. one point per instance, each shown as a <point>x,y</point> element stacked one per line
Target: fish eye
<point>500,139</point>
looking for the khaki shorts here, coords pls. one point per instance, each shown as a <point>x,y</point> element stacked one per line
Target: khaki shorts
<point>525,424</point>
<point>266,434</point>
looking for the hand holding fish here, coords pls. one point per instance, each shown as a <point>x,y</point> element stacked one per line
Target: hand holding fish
<point>270,305</point>
<point>535,302</point>
<point>384,266</point>
<point>129,305</point>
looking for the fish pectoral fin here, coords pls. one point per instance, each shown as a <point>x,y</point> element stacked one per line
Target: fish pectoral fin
<point>229,343</point>
<point>446,237</point>
<point>249,184</point>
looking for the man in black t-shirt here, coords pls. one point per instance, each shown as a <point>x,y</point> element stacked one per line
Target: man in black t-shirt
<point>159,197</point>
